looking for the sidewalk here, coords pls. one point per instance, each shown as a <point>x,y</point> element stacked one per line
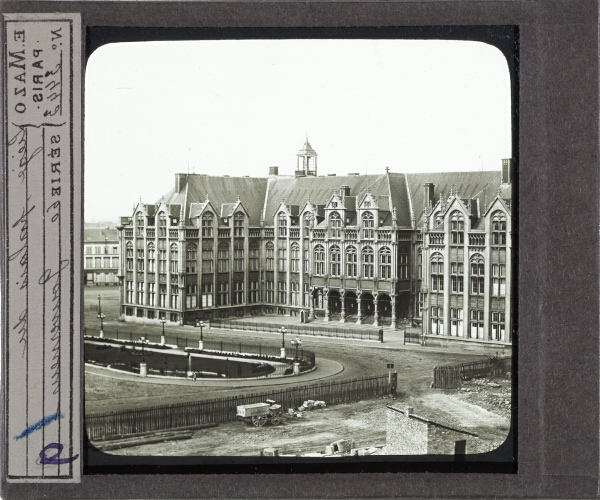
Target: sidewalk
<point>325,368</point>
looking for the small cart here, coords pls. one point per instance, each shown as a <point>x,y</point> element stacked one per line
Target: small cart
<point>260,413</point>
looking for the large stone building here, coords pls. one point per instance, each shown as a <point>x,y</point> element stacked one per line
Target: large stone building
<point>101,256</point>
<point>432,249</point>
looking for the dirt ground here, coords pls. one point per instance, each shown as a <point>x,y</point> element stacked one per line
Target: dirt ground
<point>478,408</point>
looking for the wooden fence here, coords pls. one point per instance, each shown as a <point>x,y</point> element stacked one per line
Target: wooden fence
<point>157,418</point>
<point>324,331</point>
<point>450,377</point>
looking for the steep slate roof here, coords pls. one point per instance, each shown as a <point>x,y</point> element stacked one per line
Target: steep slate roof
<point>95,235</point>
<point>481,185</point>
<point>222,190</point>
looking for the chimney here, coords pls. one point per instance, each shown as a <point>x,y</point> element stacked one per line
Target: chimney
<point>408,412</point>
<point>273,170</point>
<point>506,168</point>
<point>180,181</point>
<point>345,191</point>
<point>428,197</point>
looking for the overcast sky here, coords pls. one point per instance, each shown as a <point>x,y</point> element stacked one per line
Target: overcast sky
<point>237,107</point>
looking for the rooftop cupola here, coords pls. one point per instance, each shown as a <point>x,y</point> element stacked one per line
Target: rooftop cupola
<point>307,161</point>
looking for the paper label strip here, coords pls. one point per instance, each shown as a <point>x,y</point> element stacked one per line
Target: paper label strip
<point>42,193</point>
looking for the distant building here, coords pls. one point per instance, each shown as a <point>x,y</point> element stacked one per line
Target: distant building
<point>101,256</point>
<point>431,249</point>
<point>409,434</point>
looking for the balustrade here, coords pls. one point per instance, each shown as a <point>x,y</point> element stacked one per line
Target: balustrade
<point>383,234</point>
<point>269,232</point>
<point>254,232</point>
<point>436,238</point>
<point>191,233</point>
<point>477,239</point>
<point>150,233</point>
<point>319,234</point>
<point>351,234</point>
<point>173,233</point>
<point>224,233</point>
<point>295,233</point>
<point>128,233</point>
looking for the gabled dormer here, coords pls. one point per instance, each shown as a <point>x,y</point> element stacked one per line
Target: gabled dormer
<point>368,216</point>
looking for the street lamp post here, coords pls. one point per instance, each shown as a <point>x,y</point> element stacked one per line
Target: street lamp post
<point>101,316</point>
<point>296,342</point>
<point>283,331</point>
<point>201,342</point>
<point>162,337</point>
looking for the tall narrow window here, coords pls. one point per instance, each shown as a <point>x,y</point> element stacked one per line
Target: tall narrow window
<point>403,269</point>
<point>191,256</point>
<point>457,228</point>
<point>437,273</point>
<point>351,262</point>
<point>207,225</point>
<point>368,226</point>
<point>335,260</point>
<point>498,229</point>
<point>174,259</point>
<point>191,298</point>
<point>174,297</point>
<point>151,294</point>
<point>282,222</point>
<point>162,261</point>
<point>238,293</point>
<point>307,225</point>
<point>140,259</point>
<point>253,292</point>
<point>139,224</point>
<point>306,261</point>
<point>129,288</point>
<point>238,256</point>
<point>477,275</point>
<point>306,295</point>
<point>140,293</point>
<point>319,260</point>
<point>368,261</point>
<point>295,257</point>
<point>420,265</point>
<point>497,330</point>
<point>207,260</point>
<point>457,270</point>
<point>162,289</point>
<point>294,287</point>
<point>238,224</point>
<point>282,259</point>
<point>282,292</point>
<point>270,290</point>
<point>223,294</point>
<point>498,280</point>
<point>385,264</point>
<point>129,255</point>
<point>476,330</point>
<point>437,320</point>
<point>456,322</point>
<point>254,260</point>
<point>162,225</point>
<point>207,295</point>
<point>270,256</point>
<point>151,258</point>
<point>223,258</point>
<point>335,225</point>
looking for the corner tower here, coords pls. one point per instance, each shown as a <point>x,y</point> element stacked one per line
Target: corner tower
<point>307,161</point>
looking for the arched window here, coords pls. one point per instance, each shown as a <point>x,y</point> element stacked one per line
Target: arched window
<point>307,224</point>
<point>295,258</point>
<point>457,228</point>
<point>162,225</point>
<point>139,223</point>
<point>207,225</point>
<point>351,262</point>
<point>498,228</point>
<point>477,274</point>
<point>174,258</point>
<point>191,257</point>
<point>336,225</point>
<point>319,260</point>
<point>238,255</point>
<point>368,226</point>
<point>223,258</point>
<point>385,264</point>
<point>368,260</point>
<point>129,255</point>
<point>270,256</point>
<point>238,224</point>
<point>335,260</point>
<point>437,272</point>
<point>437,220</point>
<point>282,223</point>
<point>151,258</point>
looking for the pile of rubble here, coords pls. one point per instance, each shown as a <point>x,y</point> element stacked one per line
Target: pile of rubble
<point>491,394</point>
<point>308,405</point>
<point>339,448</point>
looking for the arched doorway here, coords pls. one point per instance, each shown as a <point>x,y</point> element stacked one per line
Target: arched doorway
<point>367,305</point>
<point>335,302</point>
<point>384,308</point>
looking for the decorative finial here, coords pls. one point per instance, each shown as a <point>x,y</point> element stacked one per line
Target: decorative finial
<point>238,197</point>
<point>413,219</point>
<point>394,214</point>
<point>206,197</point>
<point>387,170</point>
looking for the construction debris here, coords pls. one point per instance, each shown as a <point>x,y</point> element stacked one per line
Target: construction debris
<point>311,404</point>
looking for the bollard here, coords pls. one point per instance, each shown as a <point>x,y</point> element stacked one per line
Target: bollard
<point>201,345</point>
<point>282,353</point>
<point>162,340</point>
<point>296,368</point>
<point>143,370</point>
